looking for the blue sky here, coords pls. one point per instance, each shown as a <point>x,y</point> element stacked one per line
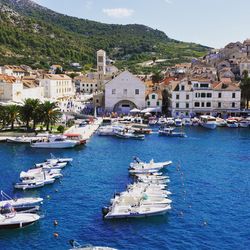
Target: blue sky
<point>209,22</point>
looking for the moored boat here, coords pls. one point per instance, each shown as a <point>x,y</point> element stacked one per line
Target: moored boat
<point>208,121</point>
<point>9,219</point>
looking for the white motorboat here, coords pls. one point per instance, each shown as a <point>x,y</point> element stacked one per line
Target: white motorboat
<point>244,123</point>
<point>57,141</point>
<point>9,219</point>
<point>187,122</point>
<point>20,204</point>
<point>231,123</point>
<point>128,135</point>
<point>39,175</point>
<point>29,185</point>
<point>208,121</point>
<point>55,165</point>
<point>75,245</point>
<point>118,212</point>
<point>178,122</point>
<point>169,131</point>
<point>19,139</point>
<point>221,122</point>
<point>138,164</point>
<point>106,130</point>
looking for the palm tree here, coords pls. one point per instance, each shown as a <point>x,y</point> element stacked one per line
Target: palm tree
<point>26,112</point>
<point>50,113</point>
<point>13,114</point>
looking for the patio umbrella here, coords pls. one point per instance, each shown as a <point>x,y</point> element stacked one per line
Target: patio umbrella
<point>135,110</point>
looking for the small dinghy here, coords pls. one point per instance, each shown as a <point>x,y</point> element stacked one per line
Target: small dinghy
<point>137,164</point>
<point>9,219</point>
<point>19,139</point>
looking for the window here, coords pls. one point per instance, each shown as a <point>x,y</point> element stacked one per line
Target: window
<point>177,105</point>
<point>148,103</point>
<point>153,96</point>
<point>137,92</point>
<point>96,85</point>
<point>100,59</point>
<point>158,103</point>
<point>209,95</point>
<point>187,97</point>
<point>233,104</point>
<point>219,104</point>
<point>177,97</point>
<point>208,104</point>
<point>87,85</point>
<point>197,95</point>
<point>182,87</point>
<point>202,104</point>
<point>125,92</point>
<point>203,95</point>
<point>219,95</point>
<point>204,85</point>
<point>113,91</point>
<point>187,105</point>
<point>197,104</point>
<point>233,95</point>
<point>97,101</point>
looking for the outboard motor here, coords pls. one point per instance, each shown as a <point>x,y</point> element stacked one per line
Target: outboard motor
<point>105,211</point>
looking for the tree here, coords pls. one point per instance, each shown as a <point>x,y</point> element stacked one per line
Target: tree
<point>13,113</point>
<point>245,89</point>
<point>165,101</point>
<point>157,77</point>
<point>50,113</point>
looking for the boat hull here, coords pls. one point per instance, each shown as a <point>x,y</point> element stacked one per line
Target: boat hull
<point>209,125</point>
<point>16,225</point>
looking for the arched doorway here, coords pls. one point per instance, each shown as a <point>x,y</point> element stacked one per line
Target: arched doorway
<point>124,107</point>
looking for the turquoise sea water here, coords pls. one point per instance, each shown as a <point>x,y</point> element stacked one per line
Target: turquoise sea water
<point>210,182</point>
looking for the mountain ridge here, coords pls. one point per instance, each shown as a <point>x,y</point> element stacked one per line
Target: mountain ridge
<point>135,42</point>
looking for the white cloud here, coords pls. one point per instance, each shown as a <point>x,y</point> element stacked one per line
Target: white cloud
<point>118,12</point>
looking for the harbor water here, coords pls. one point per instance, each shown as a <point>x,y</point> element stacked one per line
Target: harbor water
<point>210,185</point>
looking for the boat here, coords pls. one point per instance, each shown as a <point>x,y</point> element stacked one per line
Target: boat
<point>208,121</point>
<point>19,139</point>
<point>56,141</point>
<point>141,129</point>
<point>75,245</point>
<point>178,122</point>
<point>231,123</point>
<point>9,219</point>
<point>187,122</point>
<point>195,122</point>
<point>169,131</point>
<point>76,137</point>
<point>51,164</point>
<point>170,121</point>
<point>128,211</point>
<point>138,164</point>
<point>29,185</point>
<point>244,123</point>
<point>20,204</point>
<point>221,122</point>
<point>128,135</point>
<point>162,120</point>
<point>46,174</point>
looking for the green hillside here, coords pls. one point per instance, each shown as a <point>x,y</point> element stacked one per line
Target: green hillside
<point>34,35</point>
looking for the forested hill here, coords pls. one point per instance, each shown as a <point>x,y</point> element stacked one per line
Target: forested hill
<point>34,35</point>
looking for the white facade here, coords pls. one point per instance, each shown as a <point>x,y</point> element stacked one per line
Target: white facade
<point>57,86</point>
<point>190,98</point>
<point>15,71</point>
<point>87,85</point>
<point>124,92</point>
<point>154,101</point>
<point>12,89</point>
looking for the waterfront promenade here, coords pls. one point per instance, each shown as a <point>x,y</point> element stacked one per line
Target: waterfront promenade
<point>87,131</point>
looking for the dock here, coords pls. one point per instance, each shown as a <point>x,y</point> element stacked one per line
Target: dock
<point>86,131</point>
